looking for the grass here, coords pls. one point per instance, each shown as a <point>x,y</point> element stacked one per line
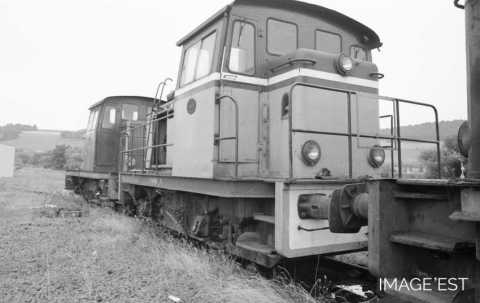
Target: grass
<point>107,257</point>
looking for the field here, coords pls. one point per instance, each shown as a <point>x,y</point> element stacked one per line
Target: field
<point>41,141</point>
<point>106,257</point>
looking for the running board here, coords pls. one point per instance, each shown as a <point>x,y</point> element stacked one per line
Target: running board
<point>429,241</point>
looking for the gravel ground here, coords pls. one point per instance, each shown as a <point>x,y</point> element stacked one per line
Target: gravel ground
<point>106,257</point>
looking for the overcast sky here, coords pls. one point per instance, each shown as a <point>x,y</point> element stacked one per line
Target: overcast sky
<point>57,57</point>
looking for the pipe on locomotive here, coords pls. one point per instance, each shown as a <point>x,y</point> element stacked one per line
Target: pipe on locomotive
<point>472,131</point>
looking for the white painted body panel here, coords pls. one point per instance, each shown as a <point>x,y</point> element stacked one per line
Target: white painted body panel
<point>193,145</point>
<point>291,242</point>
<point>7,160</point>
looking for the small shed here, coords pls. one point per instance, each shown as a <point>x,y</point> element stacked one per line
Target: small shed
<point>7,160</point>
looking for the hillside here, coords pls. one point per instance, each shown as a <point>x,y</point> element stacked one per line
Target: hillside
<point>42,140</point>
<point>45,140</point>
<point>447,129</point>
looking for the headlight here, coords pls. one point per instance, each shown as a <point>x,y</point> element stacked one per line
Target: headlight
<point>376,157</point>
<point>344,64</point>
<point>311,153</point>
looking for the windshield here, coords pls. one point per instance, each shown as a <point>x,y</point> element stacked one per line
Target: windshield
<point>92,120</point>
<point>130,112</point>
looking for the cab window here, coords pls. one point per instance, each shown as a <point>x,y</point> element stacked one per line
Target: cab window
<point>92,120</point>
<point>358,53</point>
<point>242,51</point>
<point>328,42</point>
<point>129,112</point>
<point>281,37</point>
<point>109,117</point>
<point>198,59</point>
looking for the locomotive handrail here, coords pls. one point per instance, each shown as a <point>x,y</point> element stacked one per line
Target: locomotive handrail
<point>235,103</point>
<point>396,136</point>
<point>162,84</point>
<point>292,62</point>
<point>147,147</point>
<point>128,134</point>
<point>458,5</point>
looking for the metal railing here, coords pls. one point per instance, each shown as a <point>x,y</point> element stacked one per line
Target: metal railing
<point>141,150</point>
<point>394,136</point>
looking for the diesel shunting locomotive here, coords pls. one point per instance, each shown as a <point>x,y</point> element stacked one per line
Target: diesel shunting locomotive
<point>276,144</point>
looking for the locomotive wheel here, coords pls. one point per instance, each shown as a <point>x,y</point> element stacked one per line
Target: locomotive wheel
<point>129,208</point>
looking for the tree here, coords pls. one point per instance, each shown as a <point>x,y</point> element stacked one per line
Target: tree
<point>451,160</point>
<point>58,157</point>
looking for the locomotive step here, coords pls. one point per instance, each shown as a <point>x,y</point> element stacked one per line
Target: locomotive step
<point>264,218</point>
<point>419,196</point>
<point>465,216</point>
<point>251,241</point>
<point>250,246</point>
<point>429,241</point>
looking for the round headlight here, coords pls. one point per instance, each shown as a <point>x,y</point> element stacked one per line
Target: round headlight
<point>311,153</point>
<point>344,64</point>
<point>376,157</point>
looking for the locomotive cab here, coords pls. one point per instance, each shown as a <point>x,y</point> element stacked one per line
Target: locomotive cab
<point>264,78</point>
<point>104,127</point>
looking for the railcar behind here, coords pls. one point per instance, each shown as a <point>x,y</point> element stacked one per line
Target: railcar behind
<point>101,152</point>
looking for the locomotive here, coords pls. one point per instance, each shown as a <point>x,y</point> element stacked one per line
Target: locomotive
<point>275,144</point>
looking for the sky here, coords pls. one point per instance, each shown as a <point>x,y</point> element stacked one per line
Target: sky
<point>57,57</point>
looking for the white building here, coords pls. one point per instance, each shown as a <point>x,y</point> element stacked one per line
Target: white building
<point>7,160</point>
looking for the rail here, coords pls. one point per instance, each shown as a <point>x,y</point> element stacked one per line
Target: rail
<point>395,135</point>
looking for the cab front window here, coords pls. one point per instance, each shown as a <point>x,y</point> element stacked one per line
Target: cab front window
<point>358,53</point>
<point>328,42</point>
<point>129,112</point>
<point>198,59</point>
<point>92,120</point>
<point>242,51</point>
<point>109,117</point>
<point>281,37</point>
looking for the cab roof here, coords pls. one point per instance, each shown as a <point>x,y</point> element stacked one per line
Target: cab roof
<point>121,98</point>
<point>371,39</point>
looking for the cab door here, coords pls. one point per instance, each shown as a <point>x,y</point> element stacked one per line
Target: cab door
<point>240,82</point>
<point>194,106</point>
<point>107,140</point>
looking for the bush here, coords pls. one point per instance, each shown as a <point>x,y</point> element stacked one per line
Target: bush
<point>451,160</point>
<point>22,158</point>
<point>74,158</point>
<point>62,157</point>
<point>57,157</point>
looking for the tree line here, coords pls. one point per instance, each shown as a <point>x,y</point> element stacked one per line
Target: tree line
<point>61,157</point>
<point>12,131</point>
